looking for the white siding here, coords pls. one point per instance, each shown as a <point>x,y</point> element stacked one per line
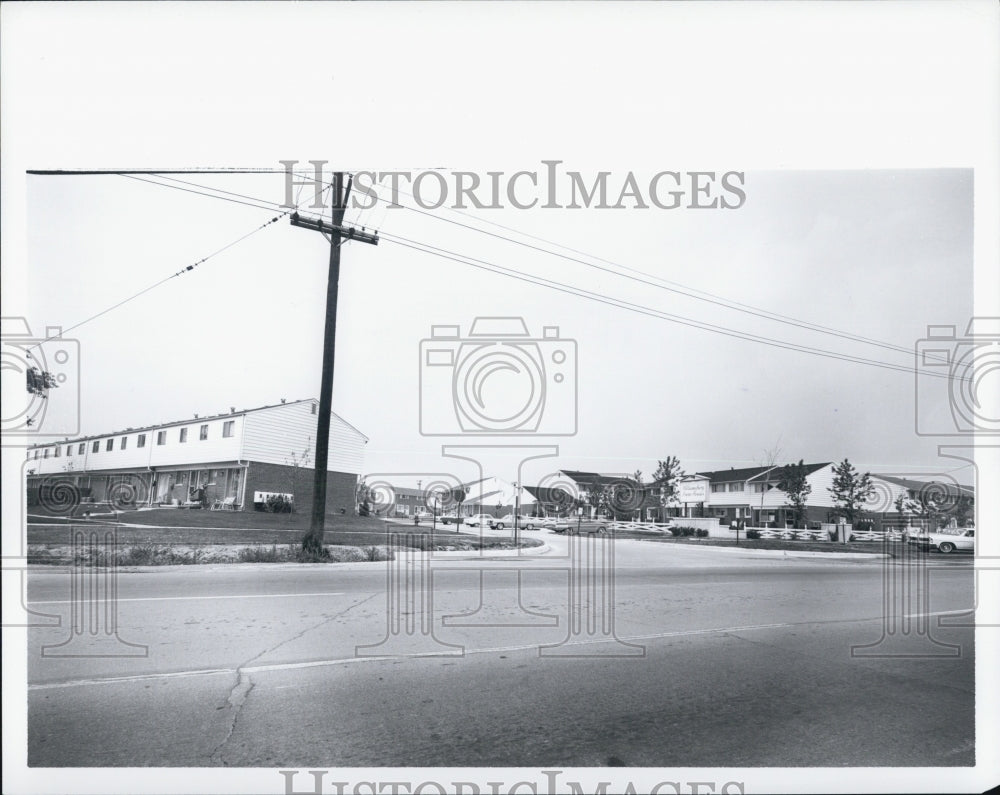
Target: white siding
<point>194,451</point>
<point>820,480</point>
<point>273,434</point>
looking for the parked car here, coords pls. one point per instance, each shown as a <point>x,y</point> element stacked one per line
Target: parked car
<point>946,542</point>
<point>556,524</point>
<point>524,522</point>
<point>582,526</point>
<point>480,520</point>
<point>451,519</point>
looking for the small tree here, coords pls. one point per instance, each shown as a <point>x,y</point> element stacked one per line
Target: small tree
<point>298,460</point>
<point>792,481</point>
<point>363,498</point>
<point>598,495</point>
<point>850,490</point>
<point>667,475</point>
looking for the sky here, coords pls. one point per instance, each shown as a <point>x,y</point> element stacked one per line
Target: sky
<point>853,251</point>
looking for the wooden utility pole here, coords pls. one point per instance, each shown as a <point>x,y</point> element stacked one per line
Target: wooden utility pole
<point>336,233</point>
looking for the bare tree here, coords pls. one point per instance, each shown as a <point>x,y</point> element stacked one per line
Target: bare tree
<point>769,458</point>
<point>297,461</point>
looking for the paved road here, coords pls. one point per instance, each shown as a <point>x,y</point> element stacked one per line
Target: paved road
<point>715,658</point>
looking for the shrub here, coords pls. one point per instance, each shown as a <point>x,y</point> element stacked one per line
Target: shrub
<point>311,556</point>
<point>278,504</point>
<point>753,533</point>
<point>675,531</point>
<point>701,532</point>
<point>260,554</point>
<point>138,555</point>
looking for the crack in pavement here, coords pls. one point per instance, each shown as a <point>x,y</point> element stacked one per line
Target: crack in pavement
<point>240,691</point>
<point>308,629</point>
<point>236,699</point>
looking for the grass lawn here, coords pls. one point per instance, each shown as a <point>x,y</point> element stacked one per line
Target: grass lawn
<point>196,527</point>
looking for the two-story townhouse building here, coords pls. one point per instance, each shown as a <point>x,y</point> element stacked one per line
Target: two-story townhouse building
<point>228,459</point>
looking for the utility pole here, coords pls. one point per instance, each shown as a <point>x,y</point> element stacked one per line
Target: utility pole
<point>336,233</point>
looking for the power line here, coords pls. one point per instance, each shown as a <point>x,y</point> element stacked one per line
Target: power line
<point>181,272</point>
<point>637,308</point>
<point>202,193</point>
<point>581,292</point>
<point>660,283</point>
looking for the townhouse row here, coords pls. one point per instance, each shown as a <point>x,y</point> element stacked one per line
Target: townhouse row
<point>232,460</point>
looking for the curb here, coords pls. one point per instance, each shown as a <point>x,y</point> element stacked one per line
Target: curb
<point>791,553</point>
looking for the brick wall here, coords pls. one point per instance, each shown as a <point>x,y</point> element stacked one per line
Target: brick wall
<point>340,486</point>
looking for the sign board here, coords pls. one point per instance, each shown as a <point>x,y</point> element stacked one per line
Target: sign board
<point>692,491</point>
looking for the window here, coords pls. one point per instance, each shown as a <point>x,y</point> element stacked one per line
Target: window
<point>203,433</point>
<point>717,487</point>
<point>82,448</point>
<point>759,488</point>
<point>736,486</point>
<point>95,447</point>
<point>69,449</point>
<point>313,407</point>
<point>184,435</point>
<point>141,441</point>
<point>57,452</point>
<point>36,454</point>
<point>124,443</point>
<point>109,445</point>
<point>161,437</point>
<point>227,428</point>
<point>46,453</point>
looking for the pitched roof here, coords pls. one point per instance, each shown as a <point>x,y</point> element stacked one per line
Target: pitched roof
<point>589,478</point>
<point>731,474</point>
<point>922,485</point>
<point>191,421</point>
<point>766,473</point>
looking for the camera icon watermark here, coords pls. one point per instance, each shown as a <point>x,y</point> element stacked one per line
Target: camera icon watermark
<point>963,370</point>
<point>497,381</point>
<point>915,513</point>
<point>41,391</point>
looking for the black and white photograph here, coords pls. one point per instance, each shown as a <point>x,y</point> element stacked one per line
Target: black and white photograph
<point>496,398</point>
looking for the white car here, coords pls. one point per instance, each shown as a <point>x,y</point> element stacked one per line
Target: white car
<point>946,542</point>
<point>555,523</point>
<point>524,522</point>
<point>480,520</point>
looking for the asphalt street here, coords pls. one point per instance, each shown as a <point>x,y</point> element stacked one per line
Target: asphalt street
<point>668,655</point>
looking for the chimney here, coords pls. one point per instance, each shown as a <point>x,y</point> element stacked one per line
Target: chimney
<point>282,400</point>
<point>232,409</point>
<point>196,416</point>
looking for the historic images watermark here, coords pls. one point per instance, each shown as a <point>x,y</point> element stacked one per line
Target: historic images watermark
<point>548,782</point>
<point>502,390</point>
<point>546,187</point>
<point>41,393</point>
<point>916,506</point>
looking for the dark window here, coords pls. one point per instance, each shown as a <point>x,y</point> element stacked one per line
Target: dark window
<point>184,434</point>
<point>161,437</point>
<point>203,433</point>
<point>109,445</point>
<point>227,428</point>
<point>96,447</point>
<point>124,443</point>
<point>141,442</point>
<point>81,449</point>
